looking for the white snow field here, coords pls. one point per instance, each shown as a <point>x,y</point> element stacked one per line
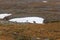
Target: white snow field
<point>2,16</point>
<point>37,20</point>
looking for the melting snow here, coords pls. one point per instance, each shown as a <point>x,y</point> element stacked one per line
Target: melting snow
<point>37,20</point>
<point>2,16</point>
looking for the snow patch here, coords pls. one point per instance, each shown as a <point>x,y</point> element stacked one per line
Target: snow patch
<point>2,16</point>
<point>37,20</point>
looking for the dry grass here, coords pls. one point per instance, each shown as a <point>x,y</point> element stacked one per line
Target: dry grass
<point>32,31</point>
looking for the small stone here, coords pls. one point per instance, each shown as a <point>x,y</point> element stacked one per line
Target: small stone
<point>38,38</point>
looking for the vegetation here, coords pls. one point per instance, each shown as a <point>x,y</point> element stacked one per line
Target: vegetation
<point>50,31</point>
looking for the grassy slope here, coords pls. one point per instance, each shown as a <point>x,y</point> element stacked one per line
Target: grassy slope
<point>16,31</point>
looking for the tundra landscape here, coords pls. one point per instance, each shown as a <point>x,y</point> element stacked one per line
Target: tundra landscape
<point>49,10</point>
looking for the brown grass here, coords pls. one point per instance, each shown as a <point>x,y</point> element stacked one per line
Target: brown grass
<point>16,31</point>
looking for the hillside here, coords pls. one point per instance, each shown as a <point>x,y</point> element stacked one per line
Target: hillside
<point>50,31</point>
<point>50,11</point>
